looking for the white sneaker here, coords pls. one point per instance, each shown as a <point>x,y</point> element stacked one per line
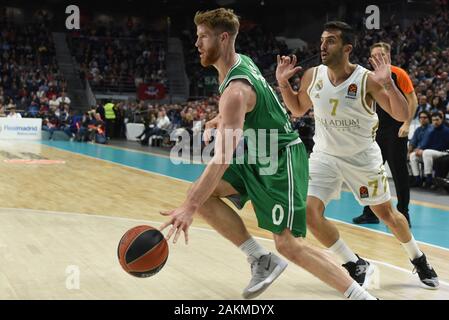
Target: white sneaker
<point>264,271</point>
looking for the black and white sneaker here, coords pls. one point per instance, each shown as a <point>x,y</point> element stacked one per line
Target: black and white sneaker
<point>427,275</point>
<point>361,271</point>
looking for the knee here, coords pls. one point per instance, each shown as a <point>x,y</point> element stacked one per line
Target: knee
<point>314,218</point>
<point>283,247</point>
<point>287,245</point>
<point>390,217</point>
<point>427,155</point>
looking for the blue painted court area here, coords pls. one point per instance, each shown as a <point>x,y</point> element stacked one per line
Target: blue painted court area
<point>140,160</point>
<point>430,225</point>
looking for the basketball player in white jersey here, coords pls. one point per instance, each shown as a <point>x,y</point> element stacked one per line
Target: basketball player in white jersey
<point>342,95</point>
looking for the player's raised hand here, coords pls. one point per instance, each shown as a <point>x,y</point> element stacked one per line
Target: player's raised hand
<point>286,69</point>
<point>382,69</point>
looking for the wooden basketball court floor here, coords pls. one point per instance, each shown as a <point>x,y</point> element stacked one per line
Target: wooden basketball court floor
<point>65,205</point>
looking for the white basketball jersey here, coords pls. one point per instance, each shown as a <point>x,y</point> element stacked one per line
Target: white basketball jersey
<point>344,123</point>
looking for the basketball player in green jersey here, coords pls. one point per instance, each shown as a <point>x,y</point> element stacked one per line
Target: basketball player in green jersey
<point>345,149</point>
<point>248,102</point>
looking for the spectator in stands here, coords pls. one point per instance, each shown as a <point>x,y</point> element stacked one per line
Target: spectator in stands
<point>422,105</point>
<point>100,109</point>
<point>434,145</point>
<point>63,99</point>
<point>50,124</point>
<point>174,114</point>
<point>82,127</point>
<point>420,132</point>
<point>33,110</point>
<point>162,124</point>
<point>70,126</point>
<point>149,122</point>
<point>43,110</point>
<point>64,113</point>
<point>437,105</point>
<point>100,135</point>
<point>13,114</point>
<point>53,104</point>
<point>444,98</point>
<point>11,105</point>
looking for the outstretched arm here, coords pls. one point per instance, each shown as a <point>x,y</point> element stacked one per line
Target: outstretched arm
<point>233,106</point>
<point>381,87</point>
<point>412,102</point>
<point>297,102</point>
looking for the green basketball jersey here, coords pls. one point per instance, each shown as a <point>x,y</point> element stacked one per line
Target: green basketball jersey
<point>268,113</point>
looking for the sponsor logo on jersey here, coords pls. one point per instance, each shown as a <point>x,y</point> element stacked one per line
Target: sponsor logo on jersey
<point>343,124</point>
<point>364,192</point>
<point>319,85</point>
<point>352,91</point>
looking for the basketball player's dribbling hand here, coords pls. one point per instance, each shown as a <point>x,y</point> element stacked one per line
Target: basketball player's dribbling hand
<point>180,218</point>
<point>286,69</point>
<point>382,70</point>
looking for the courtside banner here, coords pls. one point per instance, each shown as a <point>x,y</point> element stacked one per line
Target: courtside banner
<point>20,129</point>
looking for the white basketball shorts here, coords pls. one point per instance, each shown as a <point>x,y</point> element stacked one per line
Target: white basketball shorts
<point>363,173</point>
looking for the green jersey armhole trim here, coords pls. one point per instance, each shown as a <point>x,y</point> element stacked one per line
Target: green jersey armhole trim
<point>236,77</point>
<point>222,87</point>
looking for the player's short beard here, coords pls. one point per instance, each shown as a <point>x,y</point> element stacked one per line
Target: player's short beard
<point>334,58</point>
<point>211,56</point>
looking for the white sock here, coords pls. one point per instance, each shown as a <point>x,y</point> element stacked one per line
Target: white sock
<point>412,249</point>
<point>342,250</point>
<point>251,248</point>
<point>356,292</point>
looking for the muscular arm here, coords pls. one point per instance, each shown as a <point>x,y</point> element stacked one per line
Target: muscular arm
<point>412,102</point>
<point>236,100</point>
<point>297,102</point>
<point>388,98</point>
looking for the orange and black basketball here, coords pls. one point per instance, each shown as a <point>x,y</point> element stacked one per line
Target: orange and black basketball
<point>142,251</point>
